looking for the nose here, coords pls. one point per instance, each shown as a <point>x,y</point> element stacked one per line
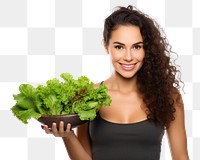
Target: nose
<point>128,55</point>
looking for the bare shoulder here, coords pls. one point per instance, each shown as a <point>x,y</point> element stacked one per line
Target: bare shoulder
<point>179,107</point>
<point>179,111</point>
<point>177,97</point>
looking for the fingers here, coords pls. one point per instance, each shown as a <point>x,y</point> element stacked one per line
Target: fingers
<point>61,132</point>
<point>61,127</point>
<point>69,127</point>
<point>46,129</point>
<point>54,130</point>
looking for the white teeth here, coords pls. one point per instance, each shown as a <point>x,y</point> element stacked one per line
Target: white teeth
<point>127,66</point>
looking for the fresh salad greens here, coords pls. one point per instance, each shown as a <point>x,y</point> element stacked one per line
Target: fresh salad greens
<point>56,97</point>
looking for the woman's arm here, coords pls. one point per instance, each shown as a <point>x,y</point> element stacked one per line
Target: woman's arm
<point>84,138</point>
<point>75,149</point>
<point>177,135</point>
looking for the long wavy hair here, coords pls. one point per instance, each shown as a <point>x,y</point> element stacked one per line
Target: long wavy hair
<point>158,79</point>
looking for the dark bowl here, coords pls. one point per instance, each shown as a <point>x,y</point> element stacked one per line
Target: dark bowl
<point>73,119</point>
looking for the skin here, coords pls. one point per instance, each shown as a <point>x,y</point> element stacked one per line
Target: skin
<point>126,52</point>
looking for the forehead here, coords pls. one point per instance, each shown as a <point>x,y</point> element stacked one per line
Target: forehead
<point>126,33</point>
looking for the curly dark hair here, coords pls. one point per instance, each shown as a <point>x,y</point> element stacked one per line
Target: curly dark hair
<point>158,79</point>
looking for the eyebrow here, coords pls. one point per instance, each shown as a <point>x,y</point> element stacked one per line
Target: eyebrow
<point>140,42</point>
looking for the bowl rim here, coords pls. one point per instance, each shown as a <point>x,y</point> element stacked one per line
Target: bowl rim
<point>59,116</point>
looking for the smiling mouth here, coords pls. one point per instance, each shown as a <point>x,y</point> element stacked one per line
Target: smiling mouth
<point>128,67</point>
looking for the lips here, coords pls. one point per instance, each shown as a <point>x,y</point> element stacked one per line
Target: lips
<point>128,67</point>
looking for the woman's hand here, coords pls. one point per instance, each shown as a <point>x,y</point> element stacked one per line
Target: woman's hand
<point>74,147</point>
<point>61,132</point>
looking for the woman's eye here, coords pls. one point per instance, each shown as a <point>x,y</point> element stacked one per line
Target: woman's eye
<point>119,47</point>
<point>137,47</point>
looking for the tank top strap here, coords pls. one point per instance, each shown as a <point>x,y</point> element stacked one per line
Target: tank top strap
<point>102,82</point>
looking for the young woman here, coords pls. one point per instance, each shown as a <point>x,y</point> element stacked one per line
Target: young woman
<point>145,97</point>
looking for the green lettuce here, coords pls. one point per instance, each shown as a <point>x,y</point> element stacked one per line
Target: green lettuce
<point>56,97</point>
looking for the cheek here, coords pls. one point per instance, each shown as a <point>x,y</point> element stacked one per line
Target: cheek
<point>141,56</point>
<point>113,59</point>
<point>115,56</point>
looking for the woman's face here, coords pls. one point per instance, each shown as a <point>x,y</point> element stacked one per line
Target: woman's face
<point>126,50</point>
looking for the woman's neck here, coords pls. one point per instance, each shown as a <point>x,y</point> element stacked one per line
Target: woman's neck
<point>118,83</point>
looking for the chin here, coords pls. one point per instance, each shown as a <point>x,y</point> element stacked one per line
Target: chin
<point>126,76</point>
<point>129,77</point>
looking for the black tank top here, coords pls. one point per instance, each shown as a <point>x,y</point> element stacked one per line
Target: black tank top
<point>132,141</point>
